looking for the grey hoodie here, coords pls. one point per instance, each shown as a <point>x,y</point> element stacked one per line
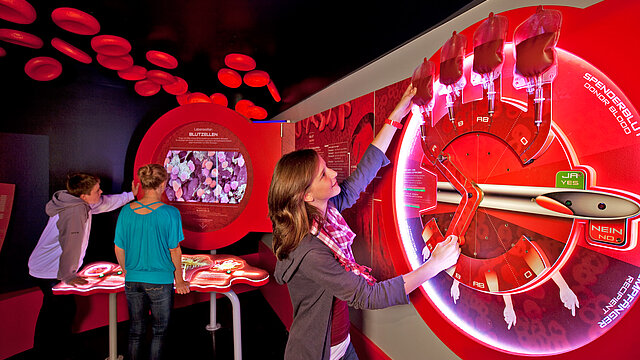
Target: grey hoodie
<point>314,277</point>
<point>63,243</point>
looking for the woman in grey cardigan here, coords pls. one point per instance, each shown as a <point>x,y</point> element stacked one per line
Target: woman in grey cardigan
<point>312,243</point>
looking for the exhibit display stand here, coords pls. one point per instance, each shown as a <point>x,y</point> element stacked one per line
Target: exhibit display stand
<point>205,273</point>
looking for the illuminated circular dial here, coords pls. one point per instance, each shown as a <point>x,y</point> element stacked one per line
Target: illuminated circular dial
<point>541,210</point>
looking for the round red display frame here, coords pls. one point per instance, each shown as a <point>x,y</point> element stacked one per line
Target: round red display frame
<point>259,141</point>
<point>595,344</point>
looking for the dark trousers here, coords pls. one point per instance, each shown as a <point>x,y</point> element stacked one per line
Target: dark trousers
<point>350,354</point>
<point>142,297</point>
<point>52,338</point>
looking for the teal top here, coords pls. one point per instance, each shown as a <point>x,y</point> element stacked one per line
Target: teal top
<point>146,240</point>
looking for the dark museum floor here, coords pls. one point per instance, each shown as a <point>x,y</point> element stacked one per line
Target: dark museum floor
<point>263,334</point>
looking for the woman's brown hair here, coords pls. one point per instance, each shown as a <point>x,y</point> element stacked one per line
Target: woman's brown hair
<point>291,216</point>
<point>152,175</point>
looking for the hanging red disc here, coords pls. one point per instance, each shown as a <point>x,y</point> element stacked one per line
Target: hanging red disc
<point>115,62</point>
<point>160,77</point>
<point>219,99</point>
<point>75,21</point>
<point>257,112</point>
<point>133,73</point>
<point>256,78</point>
<point>110,45</point>
<point>43,68</point>
<point>21,38</point>
<point>71,51</point>
<point>229,78</point>
<point>182,99</point>
<point>274,91</point>
<point>198,97</point>
<point>162,59</point>
<point>147,88</point>
<point>178,87</point>
<point>242,106</point>
<point>17,11</point>
<point>240,62</point>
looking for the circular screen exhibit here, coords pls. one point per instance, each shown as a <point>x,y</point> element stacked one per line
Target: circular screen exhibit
<point>209,168</point>
<point>537,175</point>
<point>219,167</point>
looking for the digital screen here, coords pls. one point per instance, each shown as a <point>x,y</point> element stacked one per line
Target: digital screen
<point>206,176</point>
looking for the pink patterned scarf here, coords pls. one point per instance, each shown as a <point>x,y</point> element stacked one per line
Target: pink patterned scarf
<point>337,235</point>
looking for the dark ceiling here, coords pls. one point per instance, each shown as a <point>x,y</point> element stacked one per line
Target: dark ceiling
<point>303,45</point>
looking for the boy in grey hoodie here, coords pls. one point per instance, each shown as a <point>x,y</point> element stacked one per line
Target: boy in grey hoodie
<point>59,253</point>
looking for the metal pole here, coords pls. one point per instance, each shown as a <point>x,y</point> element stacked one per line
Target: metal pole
<point>213,324</point>
<point>113,327</point>
<point>237,333</point>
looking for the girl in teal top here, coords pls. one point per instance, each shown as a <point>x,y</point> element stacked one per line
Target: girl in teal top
<point>147,245</point>
<point>147,238</point>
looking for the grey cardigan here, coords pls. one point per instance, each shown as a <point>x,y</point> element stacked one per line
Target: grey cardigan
<point>314,277</point>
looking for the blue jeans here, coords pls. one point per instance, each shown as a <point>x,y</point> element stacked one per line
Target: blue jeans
<point>142,297</point>
<point>350,354</point>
